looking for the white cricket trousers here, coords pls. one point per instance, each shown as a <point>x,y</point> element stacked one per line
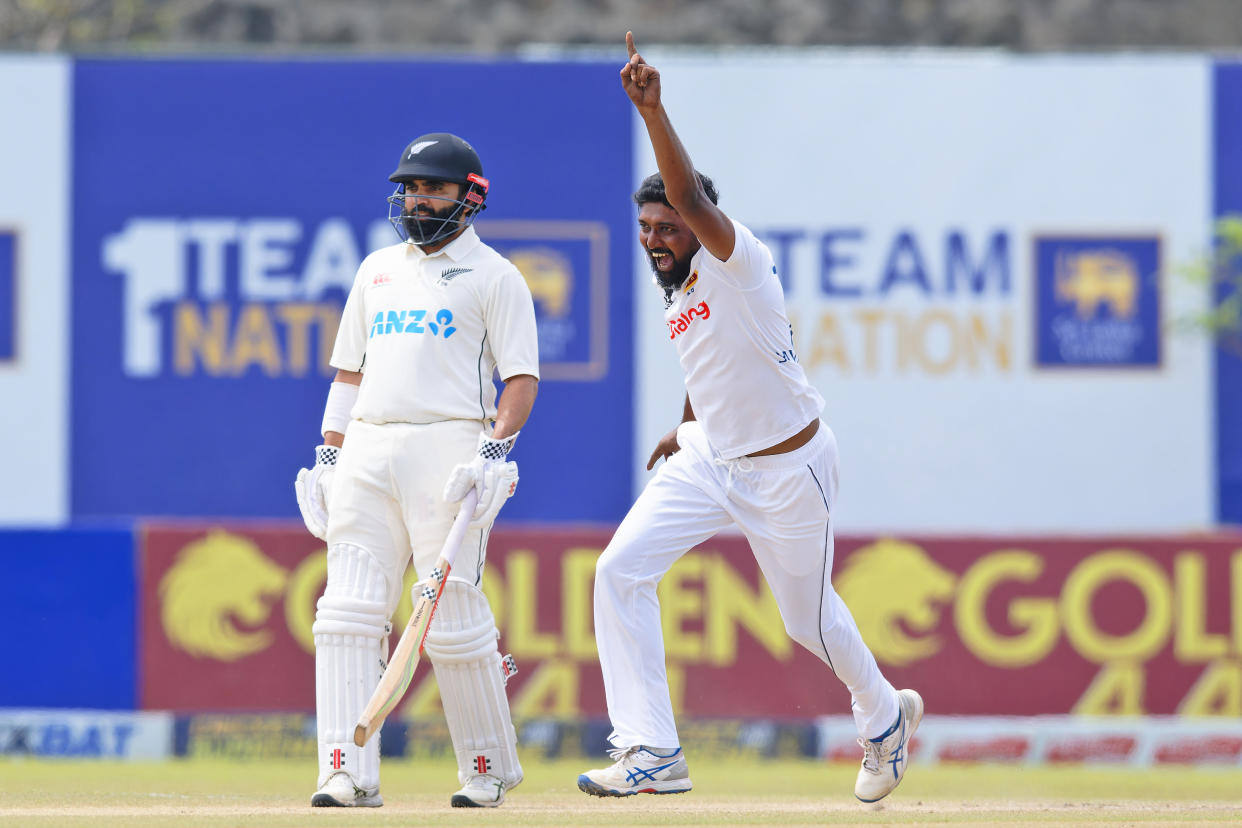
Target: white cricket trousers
<point>783,505</point>
<point>388,497</point>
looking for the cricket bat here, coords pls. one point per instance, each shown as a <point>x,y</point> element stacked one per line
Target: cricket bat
<point>404,661</point>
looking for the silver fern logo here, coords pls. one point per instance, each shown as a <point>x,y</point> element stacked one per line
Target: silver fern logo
<point>452,273</point>
<point>419,147</point>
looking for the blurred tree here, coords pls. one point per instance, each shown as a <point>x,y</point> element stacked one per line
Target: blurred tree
<point>1219,270</point>
<point>497,26</point>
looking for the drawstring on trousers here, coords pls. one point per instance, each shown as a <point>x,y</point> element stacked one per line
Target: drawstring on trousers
<point>738,464</point>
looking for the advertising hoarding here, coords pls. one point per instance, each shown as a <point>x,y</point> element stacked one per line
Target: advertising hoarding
<point>35,222</point>
<point>1127,625</point>
<point>71,609</point>
<point>980,255</point>
<point>85,734</point>
<point>236,199</point>
<point>1227,97</point>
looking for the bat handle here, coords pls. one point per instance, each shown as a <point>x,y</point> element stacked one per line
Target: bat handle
<point>370,721</point>
<point>460,524</point>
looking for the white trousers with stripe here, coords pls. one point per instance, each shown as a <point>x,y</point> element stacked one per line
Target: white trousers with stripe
<point>783,505</point>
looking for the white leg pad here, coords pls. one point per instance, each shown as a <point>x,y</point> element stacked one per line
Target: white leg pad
<point>351,631</point>
<point>462,647</point>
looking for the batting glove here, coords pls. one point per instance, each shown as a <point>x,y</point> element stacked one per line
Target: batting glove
<point>312,486</point>
<point>490,474</point>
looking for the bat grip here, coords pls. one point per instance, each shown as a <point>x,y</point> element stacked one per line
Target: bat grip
<point>461,523</point>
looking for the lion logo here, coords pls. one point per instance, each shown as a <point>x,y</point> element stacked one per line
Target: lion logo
<point>1098,278</point>
<point>893,589</point>
<point>218,584</point>
<point>549,275</point>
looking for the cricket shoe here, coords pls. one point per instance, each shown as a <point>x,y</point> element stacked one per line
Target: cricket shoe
<point>481,791</point>
<point>637,770</point>
<point>341,792</point>
<point>885,757</point>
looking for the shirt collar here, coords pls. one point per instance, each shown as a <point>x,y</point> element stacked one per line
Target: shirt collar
<point>456,250</point>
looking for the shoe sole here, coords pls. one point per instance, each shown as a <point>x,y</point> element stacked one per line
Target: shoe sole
<point>462,801</point>
<point>322,800</point>
<point>586,785</point>
<point>913,727</point>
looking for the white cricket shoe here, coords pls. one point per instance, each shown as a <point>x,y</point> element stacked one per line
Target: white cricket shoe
<point>885,757</point>
<point>481,791</point>
<point>341,792</point>
<point>637,770</point>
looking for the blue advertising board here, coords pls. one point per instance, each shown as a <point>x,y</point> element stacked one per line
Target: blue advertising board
<point>223,207</point>
<point>72,623</point>
<point>1228,201</point>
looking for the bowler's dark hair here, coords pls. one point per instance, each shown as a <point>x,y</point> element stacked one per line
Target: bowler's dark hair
<point>652,189</point>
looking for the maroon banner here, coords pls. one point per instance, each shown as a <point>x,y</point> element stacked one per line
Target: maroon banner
<point>1037,626</point>
<point>996,626</point>
<point>225,617</point>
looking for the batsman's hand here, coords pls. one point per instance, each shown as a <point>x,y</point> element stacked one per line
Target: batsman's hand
<point>312,487</point>
<point>640,79</point>
<point>490,474</point>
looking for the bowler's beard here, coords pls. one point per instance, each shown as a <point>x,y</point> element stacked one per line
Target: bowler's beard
<point>672,278</point>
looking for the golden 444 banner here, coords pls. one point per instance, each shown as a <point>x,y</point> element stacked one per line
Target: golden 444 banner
<point>981,626</point>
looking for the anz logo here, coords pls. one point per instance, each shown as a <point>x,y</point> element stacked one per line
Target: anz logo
<point>412,322</point>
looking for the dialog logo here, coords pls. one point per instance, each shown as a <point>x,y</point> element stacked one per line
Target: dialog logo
<point>678,324</point>
<point>1097,301</point>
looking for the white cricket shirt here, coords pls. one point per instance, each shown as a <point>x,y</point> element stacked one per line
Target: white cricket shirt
<point>427,331</point>
<point>734,341</point>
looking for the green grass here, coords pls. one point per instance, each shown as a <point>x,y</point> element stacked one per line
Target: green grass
<point>273,794</point>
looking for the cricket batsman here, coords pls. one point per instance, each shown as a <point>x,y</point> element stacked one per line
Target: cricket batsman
<point>413,423</point>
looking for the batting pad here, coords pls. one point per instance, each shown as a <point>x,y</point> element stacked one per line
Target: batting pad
<point>351,631</point>
<point>462,647</point>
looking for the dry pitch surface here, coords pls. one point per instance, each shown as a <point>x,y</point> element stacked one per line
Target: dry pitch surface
<point>191,793</point>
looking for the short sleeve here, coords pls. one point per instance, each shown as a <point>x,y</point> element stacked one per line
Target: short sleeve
<point>510,319</point>
<point>751,264</point>
<point>350,350</point>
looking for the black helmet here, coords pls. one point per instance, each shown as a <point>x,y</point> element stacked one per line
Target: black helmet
<point>443,157</point>
<point>438,155</point>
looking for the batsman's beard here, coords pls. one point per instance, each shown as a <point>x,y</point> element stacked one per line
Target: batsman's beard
<point>425,223</point>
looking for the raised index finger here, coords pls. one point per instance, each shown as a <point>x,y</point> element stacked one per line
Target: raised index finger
<point>629,43</point>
